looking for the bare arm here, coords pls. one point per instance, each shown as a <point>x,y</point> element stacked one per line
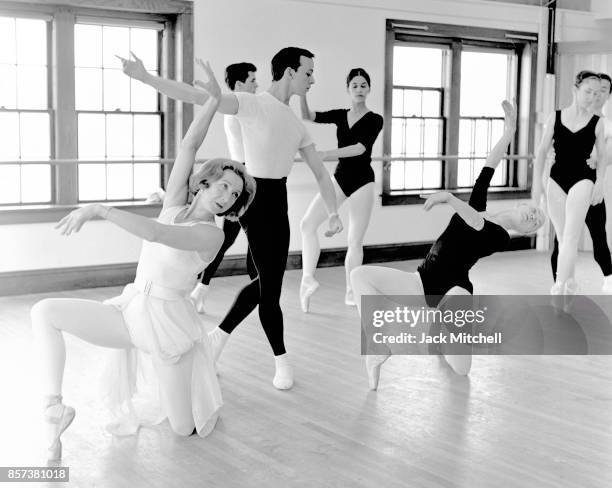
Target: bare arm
<point>326,187</point>
<point>307,114</point>
<point>343,152</point>
<point>205,239</point>
<point>469,215</point>
<point>177,188</point>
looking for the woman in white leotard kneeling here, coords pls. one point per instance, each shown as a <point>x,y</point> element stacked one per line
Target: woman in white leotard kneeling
<point>154,316</point>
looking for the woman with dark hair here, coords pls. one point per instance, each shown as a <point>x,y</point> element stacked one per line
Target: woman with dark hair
<point>573,186</point>
<point>153,315</point>
<point>357,129</point>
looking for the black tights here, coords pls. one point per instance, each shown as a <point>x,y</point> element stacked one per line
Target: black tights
<point>266,225</point>
<point>230,230</point>
<point>596,223</point>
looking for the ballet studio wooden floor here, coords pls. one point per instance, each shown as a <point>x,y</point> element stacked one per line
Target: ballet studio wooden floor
<point>516,421</point>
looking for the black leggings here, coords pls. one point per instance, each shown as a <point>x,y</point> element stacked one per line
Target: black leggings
<point>266,225</point>
<point>596,223</point>
<point>231,230</point>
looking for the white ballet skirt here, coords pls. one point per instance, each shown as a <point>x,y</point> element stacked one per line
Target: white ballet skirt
<point>164,326</point>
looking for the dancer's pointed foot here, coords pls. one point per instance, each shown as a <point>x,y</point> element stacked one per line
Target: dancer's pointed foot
<point>198,296</point>
<point>58,417</point>
<point>283,378</point>
<point>308,286</point>
<point>607,285</point>
<point>373,365</point>
<point>349,298</point>
<point>218,339</point>
<point>570,290</point>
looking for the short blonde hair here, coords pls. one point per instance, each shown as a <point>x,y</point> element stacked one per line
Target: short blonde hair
<point>212,170</point>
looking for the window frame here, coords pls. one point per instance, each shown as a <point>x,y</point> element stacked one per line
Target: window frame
<point>455,38</point>
<point>175,61</point>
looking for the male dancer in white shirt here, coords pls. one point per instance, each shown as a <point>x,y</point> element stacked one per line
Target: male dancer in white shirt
<point>272,134</point>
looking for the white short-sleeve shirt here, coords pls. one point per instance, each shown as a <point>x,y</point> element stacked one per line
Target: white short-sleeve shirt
<point>233,134</point>
<point>272,134</point>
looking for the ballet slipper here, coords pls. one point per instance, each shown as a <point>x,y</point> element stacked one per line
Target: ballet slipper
<point>607,285</point>
<point>58,417</point>
<point>373,364</point>
<point>198,296</point>
<point>349,299</point>
<point>283,377</point>
<point>218,338</point>
<point>570,290</point>
<point>308,286</point>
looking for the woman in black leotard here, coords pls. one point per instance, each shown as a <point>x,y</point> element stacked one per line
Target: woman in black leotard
<point>573,186</point>
<point>357,129</point>
<point>471,234</point>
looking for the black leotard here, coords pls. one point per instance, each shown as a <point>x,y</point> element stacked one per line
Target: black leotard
<point>572,149</point>
<point>460,246</point>
<point>354,172</point>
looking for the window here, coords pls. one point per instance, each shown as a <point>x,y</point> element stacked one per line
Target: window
<point>25,122</point>
<point>444,88</point>
<point>74,127</point>
<point>118,118</point>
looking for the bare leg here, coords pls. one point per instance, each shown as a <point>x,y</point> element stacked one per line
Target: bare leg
<point>311,249</point>
<point>360,209</point>
<point>461,364</point>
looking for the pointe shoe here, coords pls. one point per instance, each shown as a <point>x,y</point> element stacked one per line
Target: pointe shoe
<point>198,296</point>
<point>349,299</point>
<point>59,417</point>
<point>607,285</point>
<point>218,338</point>
<point>570,290</point>
<point>557,295</point>
<point>283,378</point>
<point>308,286</point>
<point>373,365</point>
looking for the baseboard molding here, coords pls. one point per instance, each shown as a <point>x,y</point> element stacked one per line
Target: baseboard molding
<point>62,279</point>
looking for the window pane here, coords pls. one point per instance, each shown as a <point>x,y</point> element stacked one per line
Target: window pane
<point>92,182</point>
<point>432,138</point>
<point>417,66</point>
<point>414,174</point>
<point>9,183</point>
<point>119,181</point>
<point>413,137</point>
<point>35,183</point>
<point>397,104</point>
<point>32,87</point>
<point>397,137</point>
<point>146,136</point>
<point>412,103</point>
<point>92,132</point>
<point>431,104</point>
<point>88,89</point>
<point>143,97</point>
<point>7,40</point>
<point>397,175</point>
<point>465,136</point>
<point>482,90</point>
<point>464,173</point>
<point>88,45</point>
<point>481,138</point>
<point>146,179</point>
<point>31,41</point>
<point>8,86</point>
<point>34,131</point>
<point>115,41</point>
<point>144,43</point>
<point>9,128</point>
<point>119,136</point>
<point>432,174</point>
<point>116,90</point>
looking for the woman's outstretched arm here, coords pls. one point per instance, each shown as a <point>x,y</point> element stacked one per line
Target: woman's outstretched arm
<point>467,213</point>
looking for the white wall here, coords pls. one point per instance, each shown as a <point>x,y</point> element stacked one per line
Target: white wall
<point>342,35</point>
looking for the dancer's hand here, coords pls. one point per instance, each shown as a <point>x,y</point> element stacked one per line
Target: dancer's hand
<point>597,195</point>
<point>334,224</point>
<point>211,86</point>
<point>134,69</point>
<point>592,162</point>
<point>435,199</point>
<point>75,219</point>
<point>509,116</point>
